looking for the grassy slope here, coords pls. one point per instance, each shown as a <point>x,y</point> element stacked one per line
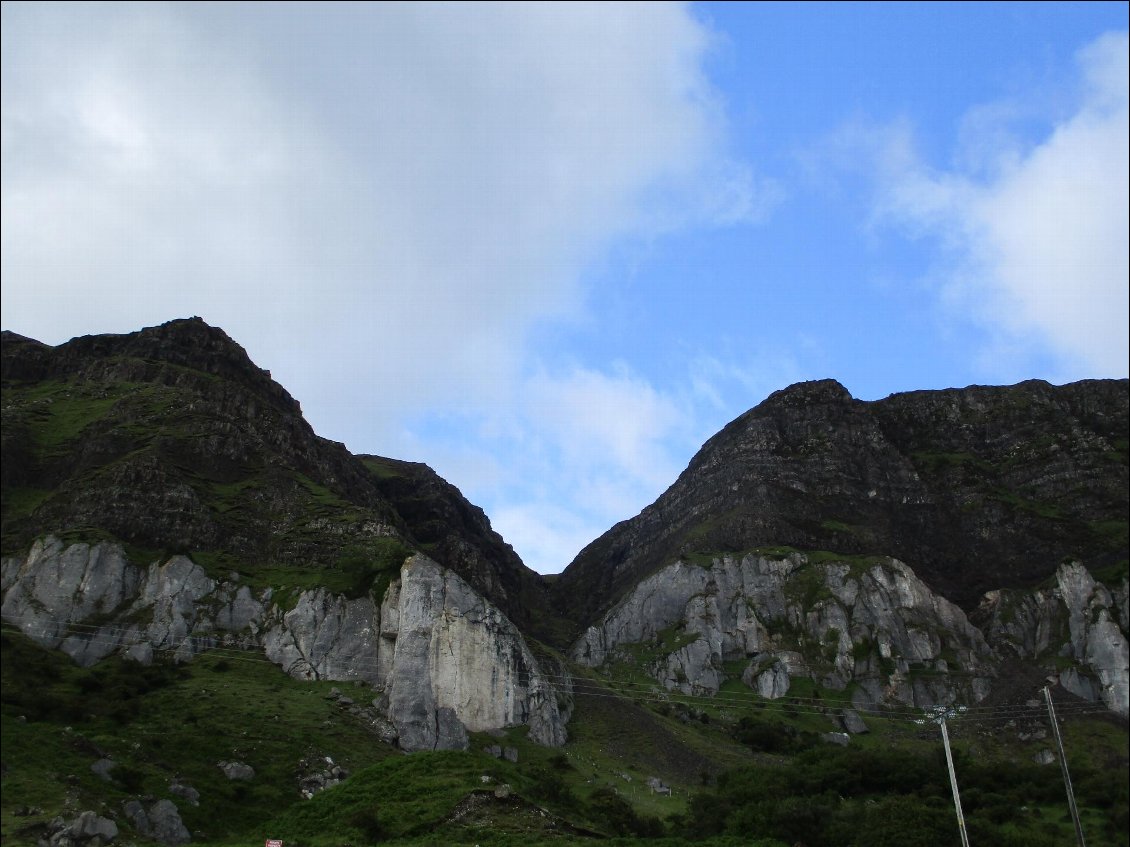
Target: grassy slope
<point>160,724</point>
<point>170,721</point>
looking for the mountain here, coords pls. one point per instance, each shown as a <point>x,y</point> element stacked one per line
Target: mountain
<point>171,440</point>
<point>976,489</point>
<point>212,614</point>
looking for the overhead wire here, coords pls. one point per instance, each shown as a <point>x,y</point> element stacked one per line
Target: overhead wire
<point>224,646</point>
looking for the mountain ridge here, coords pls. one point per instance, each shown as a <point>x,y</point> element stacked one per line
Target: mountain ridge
<point>170,439</point>
<point>175,527</point>
<point>977,488</point>
<point>958,483</point>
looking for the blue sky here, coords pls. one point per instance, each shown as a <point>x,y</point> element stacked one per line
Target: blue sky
<point>550,249</point>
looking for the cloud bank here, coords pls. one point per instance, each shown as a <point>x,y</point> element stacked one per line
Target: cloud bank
<point>384,203</point>
<point>401,189</point>
<point>1035,236</point>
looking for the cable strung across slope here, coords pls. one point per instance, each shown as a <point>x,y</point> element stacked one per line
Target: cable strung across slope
<point>117,635</point>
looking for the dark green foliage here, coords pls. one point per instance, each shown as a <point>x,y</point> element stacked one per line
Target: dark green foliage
<point>549,785</point>
<point>370,568</point>
<point>366,822</point>
<point>43,686</point>
<point>897,821</point>
<point>766,736</point>
<point>618,817</point>
<point>897,798</point>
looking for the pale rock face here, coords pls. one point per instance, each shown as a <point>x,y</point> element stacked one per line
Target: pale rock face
<point>170,592</point>
<point>57,587</point>
<point>1080,619</point>
<point>1096,639</point>
<point>769,676</point>
<point>447,660</point>
<point>326,636</point>
<point>240,612</point>
<point>847,618</point>
<point>456,655</point>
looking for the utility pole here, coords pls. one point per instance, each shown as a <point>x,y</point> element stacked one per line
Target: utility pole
<point>939,714</point>
<point>1063,766</point>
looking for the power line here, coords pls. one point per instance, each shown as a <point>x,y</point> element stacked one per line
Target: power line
<point>120,636</point>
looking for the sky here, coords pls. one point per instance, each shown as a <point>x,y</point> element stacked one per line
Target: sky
<point>548,249</point>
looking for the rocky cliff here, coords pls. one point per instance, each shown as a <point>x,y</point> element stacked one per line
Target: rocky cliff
<point>867,623</point>
<point>976,489</point>
<point>440,660</point>
<point>162,495</point>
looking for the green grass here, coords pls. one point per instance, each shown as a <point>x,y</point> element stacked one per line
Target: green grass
<point>179,721</point>
<point>939,462</point>
<point>164,722</point>
<point>382,468</point>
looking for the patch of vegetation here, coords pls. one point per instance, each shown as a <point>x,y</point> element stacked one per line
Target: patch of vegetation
<point>383,468</point>
<point>1111,534</point>
<point>932,462</point>
<point>1044,511</point>
<point>783,783</point>
<point>1112,575</point>
<point>807,585</point>
<point>856,797</point>
<point>163,722</point>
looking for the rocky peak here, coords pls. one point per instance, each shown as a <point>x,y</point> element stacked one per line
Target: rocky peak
<point>827,392</point>
<point>189,345</point>
<point>976,488</point>
<point>172,440</point>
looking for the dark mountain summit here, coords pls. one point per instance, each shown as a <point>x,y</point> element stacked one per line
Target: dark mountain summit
<point>975,488</point>
<point>171,440</point>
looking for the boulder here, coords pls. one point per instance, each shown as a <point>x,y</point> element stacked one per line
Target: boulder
<point>161,822</point>
<point>237,770</point>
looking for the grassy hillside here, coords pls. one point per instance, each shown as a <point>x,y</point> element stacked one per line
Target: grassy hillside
<point>739,767</point>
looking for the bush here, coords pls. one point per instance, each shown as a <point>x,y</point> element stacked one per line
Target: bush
<point>765,736</point>
<point>619,818</point>
<point>367,823</point>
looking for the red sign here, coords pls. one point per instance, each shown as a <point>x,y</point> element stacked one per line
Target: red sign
<point>274,842</point>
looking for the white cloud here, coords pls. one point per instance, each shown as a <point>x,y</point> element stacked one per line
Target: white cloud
<point>379,201</point>
<point>588,447</point>
<point>1036,235</point>
<point>584,449</point>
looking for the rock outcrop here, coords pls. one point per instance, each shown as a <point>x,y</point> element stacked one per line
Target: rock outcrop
<point>769,620</point>
<point>458,664</point>
<point>1079,625</point>
<point>445,660</point>
<point>872,623</point>
<point>89,829</point>
<point>160,821</point>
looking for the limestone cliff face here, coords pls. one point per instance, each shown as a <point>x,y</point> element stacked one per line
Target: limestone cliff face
<point>443,660</point>
<point>769,620</point>
<point>325,636</point>
<point>454,653</point>
<point>872,623</point>
<point>1080,624</point>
